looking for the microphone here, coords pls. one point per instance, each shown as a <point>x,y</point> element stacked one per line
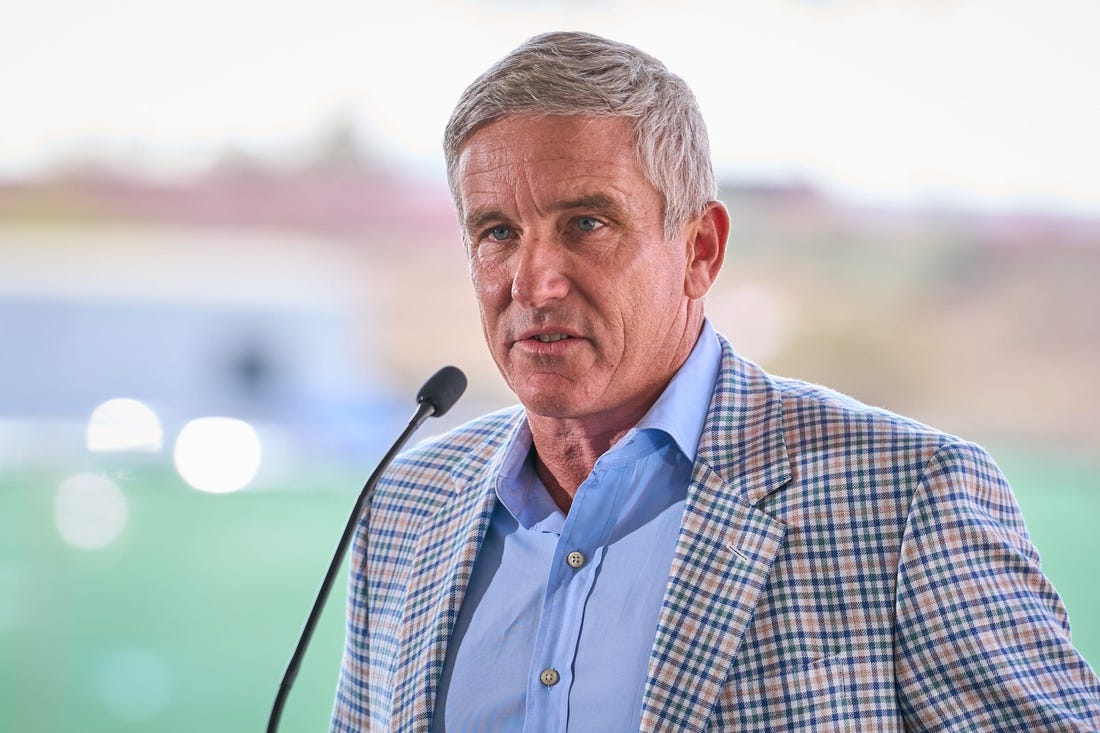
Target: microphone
<point>435,398</point>
<point>442,391</point>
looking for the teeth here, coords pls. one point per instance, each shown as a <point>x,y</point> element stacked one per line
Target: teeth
<point>551,337</point>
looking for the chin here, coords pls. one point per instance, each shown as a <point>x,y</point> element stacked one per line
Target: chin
<point>551,404</point>
<point>553,395</point>
<point>544,405</point>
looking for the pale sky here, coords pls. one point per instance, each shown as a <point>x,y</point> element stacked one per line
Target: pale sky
<point>979,102</point>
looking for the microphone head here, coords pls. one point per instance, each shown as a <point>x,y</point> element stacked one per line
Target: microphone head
<point>442,390</point>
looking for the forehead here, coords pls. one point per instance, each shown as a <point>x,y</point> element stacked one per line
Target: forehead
<point>549,156</point>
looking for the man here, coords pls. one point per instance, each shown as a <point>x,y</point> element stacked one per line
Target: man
<point>664,537</point>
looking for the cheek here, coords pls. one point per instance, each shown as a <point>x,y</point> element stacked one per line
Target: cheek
<point>491,284</point>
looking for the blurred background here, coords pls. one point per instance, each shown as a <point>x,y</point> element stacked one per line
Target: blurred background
<point>228,260</point>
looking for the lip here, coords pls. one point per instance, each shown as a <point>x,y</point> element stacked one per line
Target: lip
<point>528,340</point>
<point>533,333</point>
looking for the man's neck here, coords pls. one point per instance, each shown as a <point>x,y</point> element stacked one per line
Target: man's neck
<point>566,450</point>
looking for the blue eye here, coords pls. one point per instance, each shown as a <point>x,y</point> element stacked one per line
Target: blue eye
<point>500,233</point>
<point>588,224</point>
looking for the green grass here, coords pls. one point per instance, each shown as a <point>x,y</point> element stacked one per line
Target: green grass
<point>186,621</point>
<point>197,605</point>
<point>1060,499</point>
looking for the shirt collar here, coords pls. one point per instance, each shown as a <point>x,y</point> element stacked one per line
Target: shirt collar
<point>519,489</point>
<point>681,410</point>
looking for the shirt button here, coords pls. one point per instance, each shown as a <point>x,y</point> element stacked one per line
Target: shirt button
<point>575,560</point>
<point>549,677</point>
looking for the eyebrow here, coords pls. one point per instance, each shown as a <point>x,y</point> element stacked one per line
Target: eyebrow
<point>599,202</point>
<point>596,201</point>
<point>478,219</point>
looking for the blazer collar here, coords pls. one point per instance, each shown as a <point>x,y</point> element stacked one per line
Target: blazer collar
<point>724,552</point>
<point>447,545</point>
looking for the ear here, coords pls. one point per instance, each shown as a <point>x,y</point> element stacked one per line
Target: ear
<point>706,249</point>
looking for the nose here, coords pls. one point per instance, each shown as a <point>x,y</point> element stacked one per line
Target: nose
<point>540,276</point>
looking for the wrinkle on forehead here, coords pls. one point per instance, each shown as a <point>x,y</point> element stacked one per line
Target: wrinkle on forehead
<point>517,158</point>
<point>498,140</point>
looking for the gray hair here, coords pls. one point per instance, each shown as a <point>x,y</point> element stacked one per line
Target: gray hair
<point>583,74</point>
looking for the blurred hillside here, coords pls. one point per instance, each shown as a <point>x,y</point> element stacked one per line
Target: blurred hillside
<point>982,324</point>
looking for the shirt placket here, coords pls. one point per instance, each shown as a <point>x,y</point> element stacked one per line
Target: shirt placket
<point>575,566</point>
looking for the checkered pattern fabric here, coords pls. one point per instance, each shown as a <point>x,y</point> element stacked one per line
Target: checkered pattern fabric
<point>839,568</point>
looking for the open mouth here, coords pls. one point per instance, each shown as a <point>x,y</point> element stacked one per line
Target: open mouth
<point>549,338</point>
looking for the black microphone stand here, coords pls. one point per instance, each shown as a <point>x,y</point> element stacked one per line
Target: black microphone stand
<point>437,396</point>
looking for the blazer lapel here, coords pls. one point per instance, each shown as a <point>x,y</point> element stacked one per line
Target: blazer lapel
<point>445,552</point>
<point>724,551</point>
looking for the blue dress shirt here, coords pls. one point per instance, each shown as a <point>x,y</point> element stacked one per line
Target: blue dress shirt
<point>556,627</point>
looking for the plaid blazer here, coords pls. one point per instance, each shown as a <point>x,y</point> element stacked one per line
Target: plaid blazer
<point>838,568</point>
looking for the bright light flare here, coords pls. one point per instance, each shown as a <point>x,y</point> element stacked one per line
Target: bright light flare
<point>124,425</point>
<point>218,455</point>
<point>90,511</point>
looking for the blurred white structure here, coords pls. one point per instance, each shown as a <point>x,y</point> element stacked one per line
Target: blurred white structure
<point>98,325</point>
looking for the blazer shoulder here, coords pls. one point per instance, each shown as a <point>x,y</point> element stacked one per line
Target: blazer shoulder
<point>816,428</point>
<point>486,433</point>
<point>829,433</point>
<point>814,414</point>
<point>428,472</point>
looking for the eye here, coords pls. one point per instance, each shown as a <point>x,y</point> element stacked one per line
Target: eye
<point>588,223</point>
<point>499,233</point>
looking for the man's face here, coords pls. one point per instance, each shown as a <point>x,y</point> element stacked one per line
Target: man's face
<point>582,299</point>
